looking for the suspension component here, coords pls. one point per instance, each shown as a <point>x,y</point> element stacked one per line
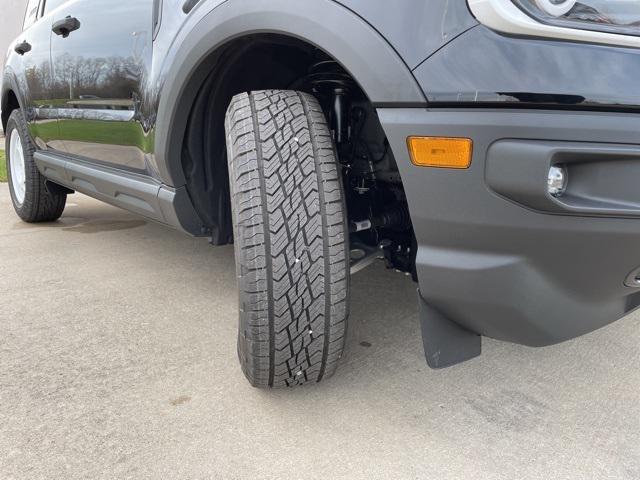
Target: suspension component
<point>379,221</point>
<point>330,80</point>
<point>339,115</point>
<point>395,218</point>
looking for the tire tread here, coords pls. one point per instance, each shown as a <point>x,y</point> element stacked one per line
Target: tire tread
<point>290,238</point>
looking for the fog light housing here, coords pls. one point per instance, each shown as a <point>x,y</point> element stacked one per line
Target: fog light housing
<point>557,181</point>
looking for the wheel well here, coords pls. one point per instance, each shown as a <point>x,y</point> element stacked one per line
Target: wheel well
<point>9,104</point>
<point>256,62</point>
<point>373,187</point>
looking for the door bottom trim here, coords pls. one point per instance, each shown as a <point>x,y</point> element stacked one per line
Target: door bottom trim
<point>134,192</point>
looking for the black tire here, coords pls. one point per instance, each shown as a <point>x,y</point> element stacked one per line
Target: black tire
<point>291,239</point>
<point>38,204</point>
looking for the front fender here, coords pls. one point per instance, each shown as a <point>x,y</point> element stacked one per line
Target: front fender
<point>9,83</point>
<point>338,31</point>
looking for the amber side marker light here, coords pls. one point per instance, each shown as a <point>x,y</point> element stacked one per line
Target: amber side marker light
<point>440,152</point>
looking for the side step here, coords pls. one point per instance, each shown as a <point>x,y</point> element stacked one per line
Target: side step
<point>131,191</point>
<point>445,343</point>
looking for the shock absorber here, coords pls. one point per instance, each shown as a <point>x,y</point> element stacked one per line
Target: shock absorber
<point>339,115</point>
<point>330,80</point>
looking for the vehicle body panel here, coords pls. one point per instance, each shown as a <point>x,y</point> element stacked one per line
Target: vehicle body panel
<point>482,66</point>
<point>33,74</point>
<point>415,28</point>
<point>101,72</point>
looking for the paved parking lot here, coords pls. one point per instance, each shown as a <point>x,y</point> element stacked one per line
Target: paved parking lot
<point>117,360</point>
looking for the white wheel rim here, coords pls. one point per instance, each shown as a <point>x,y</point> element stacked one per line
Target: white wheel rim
<point>17,166</point>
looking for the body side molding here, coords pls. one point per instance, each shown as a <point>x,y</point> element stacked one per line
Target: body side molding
<point>131,191</point>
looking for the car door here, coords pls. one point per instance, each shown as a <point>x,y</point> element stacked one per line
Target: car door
<point>101,53</point>
<point>32,47</point>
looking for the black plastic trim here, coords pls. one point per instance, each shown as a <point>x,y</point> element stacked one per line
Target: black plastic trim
<point>613,108</point>
<point>505,271</point>
<point>445,342</point>
<point>134,192</point>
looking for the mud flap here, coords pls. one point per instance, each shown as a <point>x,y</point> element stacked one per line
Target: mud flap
<point>445,342</point>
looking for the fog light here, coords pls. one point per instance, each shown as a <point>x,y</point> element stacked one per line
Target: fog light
<point>557,181</point>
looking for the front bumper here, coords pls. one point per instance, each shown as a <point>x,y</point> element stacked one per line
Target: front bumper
<point>496,259</point>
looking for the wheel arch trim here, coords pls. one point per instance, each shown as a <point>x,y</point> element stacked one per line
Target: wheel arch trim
<point>9,85</point>
<point>331,27</point>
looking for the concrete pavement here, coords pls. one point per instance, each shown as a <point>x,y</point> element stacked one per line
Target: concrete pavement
<point>117,360</point>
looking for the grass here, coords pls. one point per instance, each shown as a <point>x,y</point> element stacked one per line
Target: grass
<point>3,167</point>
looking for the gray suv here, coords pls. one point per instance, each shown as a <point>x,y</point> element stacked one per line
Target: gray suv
<point>489,149</point>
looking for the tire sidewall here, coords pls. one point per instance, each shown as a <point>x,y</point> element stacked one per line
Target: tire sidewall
<point>16,123</point>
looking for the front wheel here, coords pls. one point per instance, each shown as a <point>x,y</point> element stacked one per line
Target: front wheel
<point>291,239</point>
<point>32,201</point>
